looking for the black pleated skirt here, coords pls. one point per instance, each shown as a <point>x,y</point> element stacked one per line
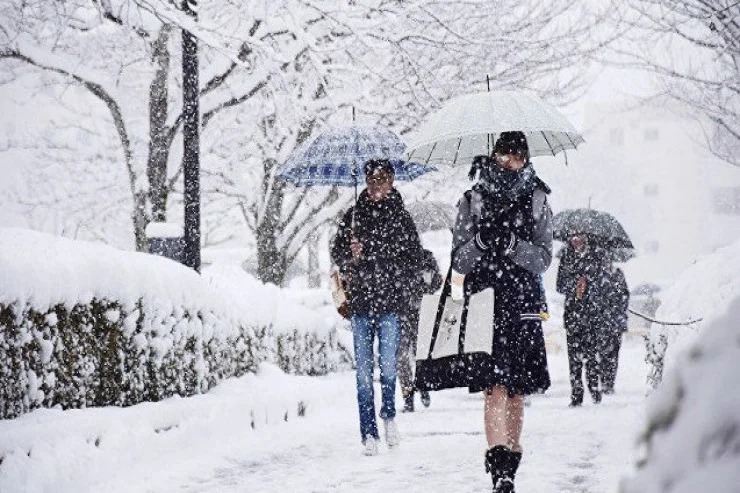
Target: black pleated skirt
<point>519,359</point>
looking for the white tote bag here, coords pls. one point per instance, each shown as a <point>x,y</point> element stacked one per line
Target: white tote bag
<point>455,338</point>
<point>478,336</point>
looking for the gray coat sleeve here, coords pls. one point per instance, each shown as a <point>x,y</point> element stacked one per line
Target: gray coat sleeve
<point>466,250</point>
<point>535,255</point>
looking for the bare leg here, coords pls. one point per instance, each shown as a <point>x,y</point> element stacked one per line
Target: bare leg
<point>514,421</point>
<point>495,416</point>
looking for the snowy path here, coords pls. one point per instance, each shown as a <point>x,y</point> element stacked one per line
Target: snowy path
<point>206,444</point>
<point>568,450</point>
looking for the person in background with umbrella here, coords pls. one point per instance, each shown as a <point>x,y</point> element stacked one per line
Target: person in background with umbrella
<point>426,280</point>
<point>582,278</point>
<point>614,323</point>
<point>377,248</point>
<point>503,239</point>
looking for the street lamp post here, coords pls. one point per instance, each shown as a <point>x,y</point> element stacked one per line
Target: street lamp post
<point>191,141</point>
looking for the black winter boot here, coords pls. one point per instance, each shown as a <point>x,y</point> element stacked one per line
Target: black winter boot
<point>576,397</point>
<point>425,398</point>
<point>502,464</point>
<point>506,484</point>
<point>408,403</point>
<point>494,464</point>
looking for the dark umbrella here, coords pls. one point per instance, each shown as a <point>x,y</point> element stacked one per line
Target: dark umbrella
<point>601,227</point>
<point>615,254</point>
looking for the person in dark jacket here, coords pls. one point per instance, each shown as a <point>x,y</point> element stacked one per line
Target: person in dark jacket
<point>503,239</point>
<point>377,249</point>
<point>582,279</point>
<point>426,281</point>
<point>614,324</point>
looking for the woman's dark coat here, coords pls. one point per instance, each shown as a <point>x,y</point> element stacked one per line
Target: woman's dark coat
<point>384,279</point>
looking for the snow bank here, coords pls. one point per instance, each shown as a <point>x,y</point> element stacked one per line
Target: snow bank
<point>45,270</point>
<point>89,325</point>
<point>147,444</point>
<point>272,306</point>
<point>692,439</point>
<point>704,289</point>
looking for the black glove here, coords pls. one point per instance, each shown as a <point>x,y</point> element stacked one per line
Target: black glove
<point>493,235</point>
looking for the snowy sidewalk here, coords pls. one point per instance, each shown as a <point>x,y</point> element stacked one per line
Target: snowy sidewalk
<point>207,444</point>
<point>567,450</point>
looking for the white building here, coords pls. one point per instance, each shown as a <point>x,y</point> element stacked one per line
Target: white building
<point>652,170</point>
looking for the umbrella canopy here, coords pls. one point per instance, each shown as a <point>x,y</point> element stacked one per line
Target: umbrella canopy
<point>432,215</point>
<point>337,156</point>
<point>468,126</point>
<point>601,227</point>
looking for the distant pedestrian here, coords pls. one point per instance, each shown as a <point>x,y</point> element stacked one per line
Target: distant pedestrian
<point>503,240</point>
<point>614,324</point>
<point>426,281</point>
<point>377,248</point>
<point>582,279</point>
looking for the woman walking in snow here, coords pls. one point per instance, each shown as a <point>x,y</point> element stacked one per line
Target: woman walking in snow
<point>378,249</point>
<point>503,240</point>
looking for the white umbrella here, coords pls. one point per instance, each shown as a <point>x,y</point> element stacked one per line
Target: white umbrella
<point>468,126</point>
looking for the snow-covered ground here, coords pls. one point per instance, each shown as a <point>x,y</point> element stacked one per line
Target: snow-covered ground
<point>274,433</point>
<point>207,443</point>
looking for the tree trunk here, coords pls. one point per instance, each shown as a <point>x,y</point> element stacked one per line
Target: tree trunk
<point>271,260</point>
<point>140,222</point>
<point>158,143</point>
<point>314,270</point>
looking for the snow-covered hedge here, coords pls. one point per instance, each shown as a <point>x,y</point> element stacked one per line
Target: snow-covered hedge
<point>692,437</point>
<point>706,287</point>
<point>84,325</point>
<point>104,352</point>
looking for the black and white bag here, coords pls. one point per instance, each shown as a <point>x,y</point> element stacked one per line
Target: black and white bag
<point>455,341</point>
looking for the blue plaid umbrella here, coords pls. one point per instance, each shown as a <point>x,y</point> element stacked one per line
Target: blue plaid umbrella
<point>336,157</point>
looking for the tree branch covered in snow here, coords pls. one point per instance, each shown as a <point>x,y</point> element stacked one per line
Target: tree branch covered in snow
<point>693,48</point>
<point>273,75</point>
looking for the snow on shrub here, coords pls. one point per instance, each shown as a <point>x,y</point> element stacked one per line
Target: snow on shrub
<point>83,324</point>
<point>706,287</point>
<point>692,438</point>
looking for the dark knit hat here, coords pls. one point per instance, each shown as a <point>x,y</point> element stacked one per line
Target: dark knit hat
<point>512,143</point>
<point>376,165</point>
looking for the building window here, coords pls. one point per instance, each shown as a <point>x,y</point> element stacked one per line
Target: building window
<point>726,200</point>
<point>616,136</point>
<point>650,189</point>
<point>651,134</point>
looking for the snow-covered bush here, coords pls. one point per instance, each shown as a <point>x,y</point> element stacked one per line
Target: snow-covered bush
<point>88,325</point>
<point>104,352</point>
<point>692,438</point>
<point>706,287</point>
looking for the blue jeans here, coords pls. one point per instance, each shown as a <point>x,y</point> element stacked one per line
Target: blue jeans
<point>364,328</point>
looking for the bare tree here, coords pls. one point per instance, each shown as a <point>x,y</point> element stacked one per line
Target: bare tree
<point>122,54</point>
<point>693,48</point>
<point>273,74</point>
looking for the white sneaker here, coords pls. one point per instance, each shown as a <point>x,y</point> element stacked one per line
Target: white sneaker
<point>392,436</point>
<point>371,446</point>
